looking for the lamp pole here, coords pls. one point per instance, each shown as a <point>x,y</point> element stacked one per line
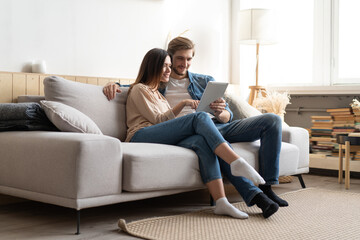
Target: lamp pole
<point>257,64</point>
<point>254,90</point>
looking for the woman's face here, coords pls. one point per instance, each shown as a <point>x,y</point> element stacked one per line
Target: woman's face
<point>166,70</point>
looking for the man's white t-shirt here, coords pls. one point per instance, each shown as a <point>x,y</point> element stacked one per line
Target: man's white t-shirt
<point>177,90</point>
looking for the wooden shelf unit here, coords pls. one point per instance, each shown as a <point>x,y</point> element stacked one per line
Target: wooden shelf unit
<point>332,163</point>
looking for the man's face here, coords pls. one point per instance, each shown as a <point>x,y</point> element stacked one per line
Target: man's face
<point>181,63</point>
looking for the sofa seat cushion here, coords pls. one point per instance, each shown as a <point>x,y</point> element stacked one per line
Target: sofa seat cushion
<point>289,156</point>
<point>149,167</point>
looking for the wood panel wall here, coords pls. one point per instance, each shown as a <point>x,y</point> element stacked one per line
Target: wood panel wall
<point>14,84</point>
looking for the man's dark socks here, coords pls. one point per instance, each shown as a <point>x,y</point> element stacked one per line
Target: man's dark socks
<point>269,192</point>
<point>268,206</point>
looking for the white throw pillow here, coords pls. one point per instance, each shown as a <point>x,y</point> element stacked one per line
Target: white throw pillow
<point>69,119</point>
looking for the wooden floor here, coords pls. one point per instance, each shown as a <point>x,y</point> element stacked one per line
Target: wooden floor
<point>33,220</point>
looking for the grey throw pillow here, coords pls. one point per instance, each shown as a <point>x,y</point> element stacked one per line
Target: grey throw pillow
<point>240,108</point>
<point>89,99</point>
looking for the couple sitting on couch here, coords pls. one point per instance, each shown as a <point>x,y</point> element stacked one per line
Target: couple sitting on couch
<point>172,120</point>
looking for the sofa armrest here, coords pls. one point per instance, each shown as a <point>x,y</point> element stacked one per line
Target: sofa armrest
<point>300,138</point>
<point>69,165</point>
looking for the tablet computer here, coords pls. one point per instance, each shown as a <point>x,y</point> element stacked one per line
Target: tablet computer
<point>213,91</point>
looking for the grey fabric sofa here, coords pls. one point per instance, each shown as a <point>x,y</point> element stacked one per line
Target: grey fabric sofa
<point>82,170</point>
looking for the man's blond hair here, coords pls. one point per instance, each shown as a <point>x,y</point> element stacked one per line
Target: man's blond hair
<point>180,43</point>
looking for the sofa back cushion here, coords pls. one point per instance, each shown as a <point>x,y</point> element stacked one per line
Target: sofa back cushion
<point>89,99</point>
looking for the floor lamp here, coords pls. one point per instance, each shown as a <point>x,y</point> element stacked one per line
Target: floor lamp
<point>257,26</point>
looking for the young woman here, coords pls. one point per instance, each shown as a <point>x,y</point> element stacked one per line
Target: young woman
<point>151,119</point>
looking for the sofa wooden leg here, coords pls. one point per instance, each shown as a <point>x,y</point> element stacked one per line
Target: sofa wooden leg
<point>77,222</point>
<point>301,180</point>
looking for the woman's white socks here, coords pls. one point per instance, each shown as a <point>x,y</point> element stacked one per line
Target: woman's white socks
<point>223,207</point>
<point>241,168</point>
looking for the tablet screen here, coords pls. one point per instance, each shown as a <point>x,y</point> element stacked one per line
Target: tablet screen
<point>213,91</point>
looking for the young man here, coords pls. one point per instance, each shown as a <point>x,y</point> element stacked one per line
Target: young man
<point>266,127</point>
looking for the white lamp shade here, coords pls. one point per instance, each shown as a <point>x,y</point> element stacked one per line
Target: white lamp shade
<point>257,26</point>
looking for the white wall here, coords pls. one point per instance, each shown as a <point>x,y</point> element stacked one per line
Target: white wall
<point>110,37</point>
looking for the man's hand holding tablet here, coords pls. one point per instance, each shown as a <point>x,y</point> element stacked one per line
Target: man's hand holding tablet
<point>213,91</point>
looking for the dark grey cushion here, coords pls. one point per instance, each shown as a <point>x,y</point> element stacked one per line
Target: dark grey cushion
<point>24,117</point>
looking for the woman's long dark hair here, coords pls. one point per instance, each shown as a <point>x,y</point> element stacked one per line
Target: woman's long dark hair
<point>151,68</point>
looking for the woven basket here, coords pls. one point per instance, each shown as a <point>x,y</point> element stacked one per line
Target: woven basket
<point>285,179</point>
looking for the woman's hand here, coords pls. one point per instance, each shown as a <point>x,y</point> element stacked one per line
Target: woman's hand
<point>110,90</point>
<point>192,103</point>
<point>186,102</point>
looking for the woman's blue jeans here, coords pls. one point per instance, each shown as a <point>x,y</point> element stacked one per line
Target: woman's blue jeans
<point>198,132</point>
<point>195,131</point>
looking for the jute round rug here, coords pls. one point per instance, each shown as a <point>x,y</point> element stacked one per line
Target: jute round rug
<point>313,214</point>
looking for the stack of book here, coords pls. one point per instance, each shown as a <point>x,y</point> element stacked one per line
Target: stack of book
<point>356,112</point>
<point>343,120</point>
<point>321,138</point>
<point>357,156</point>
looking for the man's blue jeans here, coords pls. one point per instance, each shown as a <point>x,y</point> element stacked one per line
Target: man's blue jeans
<point>203,139</point>
<point>266,127</point>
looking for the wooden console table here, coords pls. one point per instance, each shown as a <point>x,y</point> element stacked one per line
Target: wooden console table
<point>349,144</point>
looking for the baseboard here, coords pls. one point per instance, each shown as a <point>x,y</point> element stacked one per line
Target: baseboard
<point>331,173</point>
